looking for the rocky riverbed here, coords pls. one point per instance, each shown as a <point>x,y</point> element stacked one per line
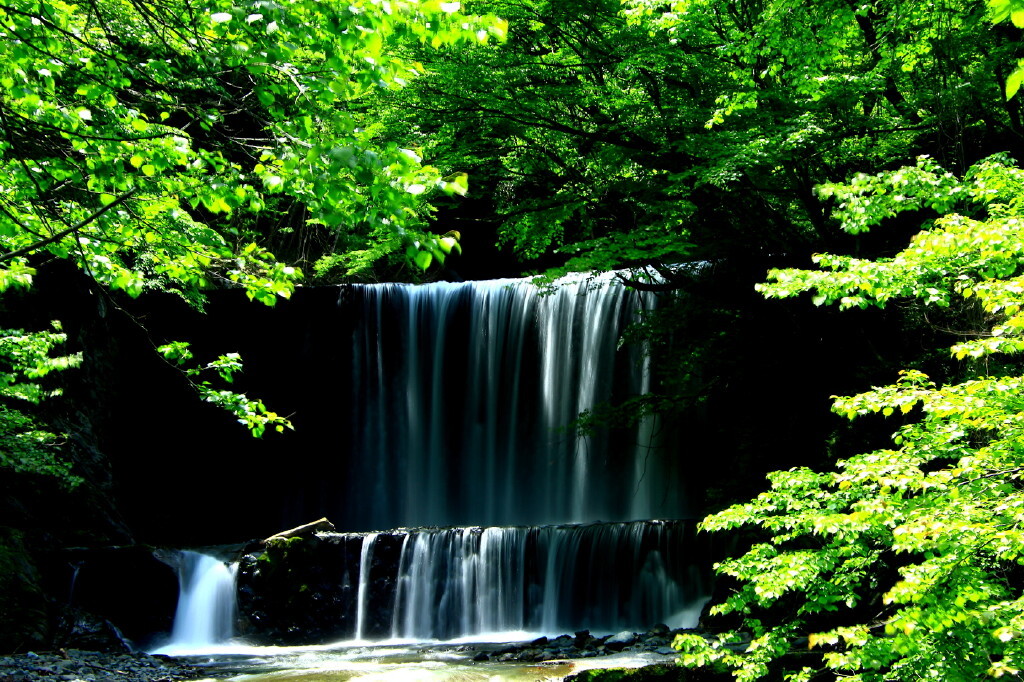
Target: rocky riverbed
<point>584,645</point>
<point>73,665</point>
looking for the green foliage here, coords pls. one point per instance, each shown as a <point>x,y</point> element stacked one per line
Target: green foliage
<point>26,357</point>
<point>27,449</point>
<point>609,134</point>
<point>252,414</point>
<point>903,563</point>
<point>1012,10</point>
<point>978,255</point>
<point>160,147</point>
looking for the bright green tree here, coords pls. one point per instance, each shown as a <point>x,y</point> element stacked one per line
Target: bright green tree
<point>165,146</point>
<point>644,133</point>
<point>903,563</point>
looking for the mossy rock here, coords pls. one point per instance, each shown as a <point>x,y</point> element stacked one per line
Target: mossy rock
<point>661,673</point>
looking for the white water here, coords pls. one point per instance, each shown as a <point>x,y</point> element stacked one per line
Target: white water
<point>206,612</point>
<point>363,594</point>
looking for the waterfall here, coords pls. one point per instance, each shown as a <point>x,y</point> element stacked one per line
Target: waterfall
<point>206,611</point>
<point>464,396</point>
<point>363,593</point>
<point>468,582</point>
<point>504,516</point>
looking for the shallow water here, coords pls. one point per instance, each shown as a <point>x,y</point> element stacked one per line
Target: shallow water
<point>391,661</point>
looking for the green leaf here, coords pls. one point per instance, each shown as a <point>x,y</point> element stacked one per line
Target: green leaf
<point>457,183</point>
<point>423,259</point>
<point>1014,81</point>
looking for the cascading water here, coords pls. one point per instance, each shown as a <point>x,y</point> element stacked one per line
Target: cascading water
<point>207,608</point>
<point>464,400</point>
<point>458,582</point>
<point>363,595</point>
<point>508,518</point>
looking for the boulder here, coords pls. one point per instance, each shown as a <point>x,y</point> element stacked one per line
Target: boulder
<point>620,641</point>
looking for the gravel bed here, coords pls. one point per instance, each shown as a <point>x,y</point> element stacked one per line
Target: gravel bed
<point>73,665</point>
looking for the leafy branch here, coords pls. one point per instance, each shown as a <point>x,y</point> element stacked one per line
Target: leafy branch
<point>252,414</point>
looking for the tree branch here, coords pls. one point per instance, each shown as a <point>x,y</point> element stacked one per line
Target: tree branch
<point>63,233</point>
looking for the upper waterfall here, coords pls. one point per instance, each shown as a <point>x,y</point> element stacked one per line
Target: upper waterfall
<point>464,397</point>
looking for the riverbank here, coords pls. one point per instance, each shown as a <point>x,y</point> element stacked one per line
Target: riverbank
<point>73,665</point>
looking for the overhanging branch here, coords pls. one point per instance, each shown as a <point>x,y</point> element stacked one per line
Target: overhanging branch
<point>63,233</point>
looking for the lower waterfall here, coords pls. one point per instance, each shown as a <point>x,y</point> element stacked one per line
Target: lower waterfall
<point>471,582</point>
<point>463,582</point>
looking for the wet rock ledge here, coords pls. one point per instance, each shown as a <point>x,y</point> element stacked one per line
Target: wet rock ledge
<point>73,665</point>
<point>583,645</point>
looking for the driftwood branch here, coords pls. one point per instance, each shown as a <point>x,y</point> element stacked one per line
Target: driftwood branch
<point>304,529</point>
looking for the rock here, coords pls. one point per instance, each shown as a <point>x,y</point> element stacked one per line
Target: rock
<point>582,639</point>
<point>83,630</point>
<point>481,656</point>
<point>621,640</point>
<point>666,650</point>
<point>21,593</point>
<point>660,629</point>
<point>90,666</point>
<point>540,641</point>
<point>660,672</point>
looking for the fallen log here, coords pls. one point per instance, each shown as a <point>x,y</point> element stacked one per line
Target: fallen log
<point>304,529</point>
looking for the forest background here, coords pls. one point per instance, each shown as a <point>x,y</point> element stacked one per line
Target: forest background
<point>184,149</point>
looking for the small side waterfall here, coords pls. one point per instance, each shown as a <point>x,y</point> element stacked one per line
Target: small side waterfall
<point>363,594</point>
<point>207,608</point>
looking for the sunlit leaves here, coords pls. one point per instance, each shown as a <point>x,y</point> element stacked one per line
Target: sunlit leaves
<point>1002,10</point>
<point>958,258</point>
<point>252,414</point>
<point>27,448</point>
<point>927,533</point>
<point>143,142</point>
<point>26,357</point>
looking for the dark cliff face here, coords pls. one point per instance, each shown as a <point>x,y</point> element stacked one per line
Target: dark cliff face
<point>164,468</point>
<point>181,472</point>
